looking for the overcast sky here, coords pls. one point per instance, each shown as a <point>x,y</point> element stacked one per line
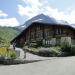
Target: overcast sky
<point>16,12</point>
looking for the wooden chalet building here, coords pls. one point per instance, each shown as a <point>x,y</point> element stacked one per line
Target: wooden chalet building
<point>46,33</point>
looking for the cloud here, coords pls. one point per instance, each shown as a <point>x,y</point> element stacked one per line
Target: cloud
<point>5,21</point>
<point>27,11</point>
<point>35,7</point>
<point>2,14</point>
<point>31,9</point>
<point>9,22</point>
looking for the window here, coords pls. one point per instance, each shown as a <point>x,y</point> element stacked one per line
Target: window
<point>32,36</point>
<point>39,35</point>
<point>58,31</point>
<point>38,28</point>
<point>47,33</point>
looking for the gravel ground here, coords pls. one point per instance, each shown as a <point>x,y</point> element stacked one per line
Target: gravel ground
<point>30,56</point>
<point>48,66</point>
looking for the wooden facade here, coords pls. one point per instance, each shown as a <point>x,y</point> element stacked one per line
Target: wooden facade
<point>51,34</point>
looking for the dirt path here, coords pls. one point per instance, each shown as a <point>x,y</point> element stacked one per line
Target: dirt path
<point>30,56</point>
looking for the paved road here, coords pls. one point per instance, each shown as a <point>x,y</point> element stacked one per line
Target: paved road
<point>51,66</point>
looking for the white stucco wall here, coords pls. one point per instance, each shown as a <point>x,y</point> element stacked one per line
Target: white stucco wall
<point>53,41</point>
<point>62,40</point>
<point>65,39</point>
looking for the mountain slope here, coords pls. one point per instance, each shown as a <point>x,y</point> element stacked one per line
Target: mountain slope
<point>43,19</point>
<point>7,34</point>
<point>39,18</point>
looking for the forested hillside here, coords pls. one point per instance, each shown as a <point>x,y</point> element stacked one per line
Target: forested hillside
<point>7,34</point>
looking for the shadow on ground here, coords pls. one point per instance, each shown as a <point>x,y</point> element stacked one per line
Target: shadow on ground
<point>16,62</point>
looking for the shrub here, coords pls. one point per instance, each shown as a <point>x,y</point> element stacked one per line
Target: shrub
<point>68,49</point>
<point>35,44</point>
<point>39,43</point>
<point>13,55</point>
<point>45,53</point>
<point>72,50</point>
<point>48,52</point>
